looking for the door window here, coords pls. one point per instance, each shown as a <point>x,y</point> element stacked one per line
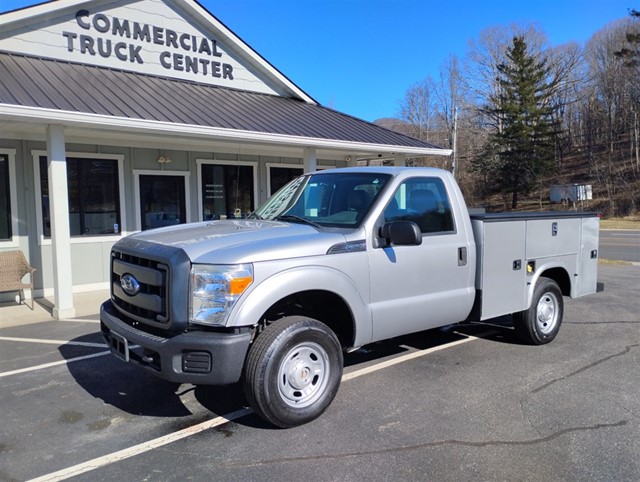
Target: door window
<point>227,191</point>
<point>162,201</point>
<point>423,201</point>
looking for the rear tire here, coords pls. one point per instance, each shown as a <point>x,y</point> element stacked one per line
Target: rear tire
<point>541,322</point>
<point>293,371</point>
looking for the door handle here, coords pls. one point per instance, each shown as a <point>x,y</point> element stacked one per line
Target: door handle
<point>462,256</point>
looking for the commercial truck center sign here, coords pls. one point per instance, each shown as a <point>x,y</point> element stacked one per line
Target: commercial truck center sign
<point>113,37</point>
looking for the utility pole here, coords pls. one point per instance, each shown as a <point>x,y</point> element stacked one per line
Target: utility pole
<point>454,143</point>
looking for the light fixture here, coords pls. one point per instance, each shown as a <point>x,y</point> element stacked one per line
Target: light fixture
<point>162,160</point>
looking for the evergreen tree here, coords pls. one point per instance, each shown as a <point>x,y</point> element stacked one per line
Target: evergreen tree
<point>521,149</point>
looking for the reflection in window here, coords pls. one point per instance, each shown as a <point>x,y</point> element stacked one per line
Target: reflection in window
<point>94,198</point>
<point>162,201</point>
<point>423,201</point>
<point>227,191</point>
<point>279,176</point>
<point>5,200</point>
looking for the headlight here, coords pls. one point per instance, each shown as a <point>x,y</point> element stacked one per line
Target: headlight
<point>215,289</point>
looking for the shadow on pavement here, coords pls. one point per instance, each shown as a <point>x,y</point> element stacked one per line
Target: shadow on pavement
<point>133,390</point>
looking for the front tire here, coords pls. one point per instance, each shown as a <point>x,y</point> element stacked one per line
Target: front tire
<point>541,322</point>
<point>293,371</point>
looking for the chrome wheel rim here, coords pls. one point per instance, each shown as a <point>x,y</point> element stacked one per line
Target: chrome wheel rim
<point>547,313</point>
<point>303,374</point>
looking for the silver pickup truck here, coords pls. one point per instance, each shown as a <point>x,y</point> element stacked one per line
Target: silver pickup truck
<point>335,260</point>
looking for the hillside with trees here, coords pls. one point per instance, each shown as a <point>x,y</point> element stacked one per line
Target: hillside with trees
<point>522,115</point>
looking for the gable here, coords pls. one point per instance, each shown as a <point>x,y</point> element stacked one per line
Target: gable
<point>167,38</point>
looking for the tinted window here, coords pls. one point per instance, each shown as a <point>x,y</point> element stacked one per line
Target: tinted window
<point>5,200</point>
<point>94,198</point>
<point>227,191</point>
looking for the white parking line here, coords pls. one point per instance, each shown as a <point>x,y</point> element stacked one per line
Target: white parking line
<point>53,364</point>
<point>404,358</point>
<point>52,342</point>
<point>140,448</point>
<point>230,417</point>
<point>81,320</point>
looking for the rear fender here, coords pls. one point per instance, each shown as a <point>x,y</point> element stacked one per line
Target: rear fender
<point>543,270</point>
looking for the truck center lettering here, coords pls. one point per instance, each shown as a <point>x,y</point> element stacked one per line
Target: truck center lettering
<point>201,57</point>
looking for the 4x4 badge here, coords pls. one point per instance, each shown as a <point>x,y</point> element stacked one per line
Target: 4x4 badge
<point>129,284</point>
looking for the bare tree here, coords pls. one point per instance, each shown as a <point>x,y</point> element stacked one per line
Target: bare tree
<point>418,108</point>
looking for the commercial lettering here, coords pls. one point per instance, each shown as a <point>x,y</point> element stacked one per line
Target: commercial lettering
<point>198,60</point>
<point>104,47</point>
<point>80,20</point>
<point>158,35</point>
<point>120,46</point>
<point>86,45</point>
<point>70,37</point>
<point>121,27</point>
<point>101,23</point>
<point>141,32</point>
<point>171,38</point>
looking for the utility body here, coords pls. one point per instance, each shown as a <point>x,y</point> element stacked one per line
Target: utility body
<point>335,260</point>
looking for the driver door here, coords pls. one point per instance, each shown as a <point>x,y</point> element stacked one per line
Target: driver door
<point>414,288</point>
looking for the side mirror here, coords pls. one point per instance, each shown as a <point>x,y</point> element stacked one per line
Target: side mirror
<point>401,233</point>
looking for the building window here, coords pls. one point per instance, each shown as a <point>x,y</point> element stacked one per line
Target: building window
<point>280,176</point>
<point>94,198</point>
<point>227,191</point>
<point>162,201</point>
<point>5,200</point>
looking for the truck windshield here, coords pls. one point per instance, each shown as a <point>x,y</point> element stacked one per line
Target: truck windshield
<point>325,199</point>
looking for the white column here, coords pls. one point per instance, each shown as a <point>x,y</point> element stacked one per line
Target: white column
<point>353,161</point>
<point>309,159</point>
<point>399,160</point>
<point>60,235</point>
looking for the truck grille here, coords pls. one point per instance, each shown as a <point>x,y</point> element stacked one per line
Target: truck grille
<point>146,280</point>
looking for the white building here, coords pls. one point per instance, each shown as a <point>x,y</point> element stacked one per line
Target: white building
<point>119,116</point>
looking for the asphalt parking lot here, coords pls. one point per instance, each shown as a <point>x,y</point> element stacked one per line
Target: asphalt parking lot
<point>465,403</point>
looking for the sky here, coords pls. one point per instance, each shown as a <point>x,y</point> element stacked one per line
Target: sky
<point>361,56</point>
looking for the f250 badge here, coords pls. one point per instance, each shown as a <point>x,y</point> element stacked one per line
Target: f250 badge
<point>129,284</point>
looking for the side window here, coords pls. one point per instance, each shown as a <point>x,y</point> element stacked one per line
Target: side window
<point>423,201</point>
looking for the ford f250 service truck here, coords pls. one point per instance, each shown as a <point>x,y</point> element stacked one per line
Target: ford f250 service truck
<point>335,260</point>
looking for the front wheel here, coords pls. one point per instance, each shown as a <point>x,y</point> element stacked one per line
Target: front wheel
<point>541,322</point>
<point>293,371</point>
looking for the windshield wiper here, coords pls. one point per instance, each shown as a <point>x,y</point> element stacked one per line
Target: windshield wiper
<point>300,219</point>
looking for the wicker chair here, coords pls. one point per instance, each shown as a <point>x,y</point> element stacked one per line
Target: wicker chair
<point>13,267</point>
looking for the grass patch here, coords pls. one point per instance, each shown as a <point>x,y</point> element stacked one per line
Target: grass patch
<point>630,222</point>
<point>618,262</point>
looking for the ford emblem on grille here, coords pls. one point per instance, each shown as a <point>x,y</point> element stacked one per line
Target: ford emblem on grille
<point>129,284</point>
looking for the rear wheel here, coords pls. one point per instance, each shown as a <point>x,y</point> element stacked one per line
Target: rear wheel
<point>293,371</point>
<point>541,322</point>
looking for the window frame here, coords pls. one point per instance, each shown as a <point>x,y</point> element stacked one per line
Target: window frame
<point>201,162</point>
<point>44,241</point>
<point>12,242</point>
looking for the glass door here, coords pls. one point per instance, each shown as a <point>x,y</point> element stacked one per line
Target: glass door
<point>162,201</point>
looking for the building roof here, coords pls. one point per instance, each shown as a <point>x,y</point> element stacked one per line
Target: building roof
<point>65,87</point>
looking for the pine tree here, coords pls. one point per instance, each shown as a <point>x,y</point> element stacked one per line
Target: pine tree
<point>521,150</point>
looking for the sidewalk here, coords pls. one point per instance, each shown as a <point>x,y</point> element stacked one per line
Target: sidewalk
<point>87,306</point>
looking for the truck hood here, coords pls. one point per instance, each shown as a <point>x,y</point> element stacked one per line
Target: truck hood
<point>243,241</point>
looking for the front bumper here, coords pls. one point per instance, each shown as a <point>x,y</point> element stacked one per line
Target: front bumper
<point>198,357</point>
